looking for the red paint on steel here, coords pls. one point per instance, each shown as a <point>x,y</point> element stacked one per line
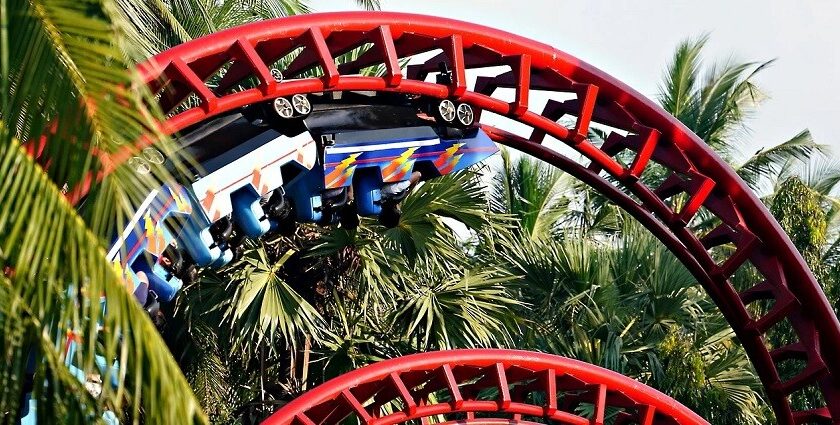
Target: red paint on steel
<point>644,131</point>
<point>515,375</point>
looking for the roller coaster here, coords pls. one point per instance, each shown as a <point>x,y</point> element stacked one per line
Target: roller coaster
<point>277,146</point>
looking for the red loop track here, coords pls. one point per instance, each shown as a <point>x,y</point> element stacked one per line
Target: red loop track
<point>581,95</point>
<point>514,385</point>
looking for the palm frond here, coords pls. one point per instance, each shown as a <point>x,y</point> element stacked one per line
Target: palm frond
<point>67,91</point>
<point>41,301</point>
<point>531,191</point>
<point>714,106</point>
<point>676,94</point>
<point>265,306</point>
<point>768,163</point>
<point>156,25</point>
<point>474,309</point>
<point>208,374</point>
<point>369,4</point>
<point>819,172</point>
<point>71,96</point>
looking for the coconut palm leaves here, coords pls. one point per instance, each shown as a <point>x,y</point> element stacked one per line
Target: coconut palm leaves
<point>473,310</point>
<point>773,161</point>
<point>68,95</point>
<point>713,105</point>
<point>531,192</point>
<point>298,310</point>
<point>156,25</point>
<point>715,101</point>
<point>620,300</point>
<point>264,304</point>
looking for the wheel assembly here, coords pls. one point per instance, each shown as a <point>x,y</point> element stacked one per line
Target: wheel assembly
<point>446,111</point>
<point>465,114</point>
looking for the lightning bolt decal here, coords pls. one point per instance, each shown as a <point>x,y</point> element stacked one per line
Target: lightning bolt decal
<point>448,159</point>
<point>154,236</point>
<point>149,225</point>
<point>181,201</point>
<point>343,171</point>
<point>399,166</point>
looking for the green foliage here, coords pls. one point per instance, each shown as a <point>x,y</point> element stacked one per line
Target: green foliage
<point>153,26</point>
<point>540,262</point>
<point>772,161</point>
<point>474,310</point>
<point>554,268</point>
<point>682,373</point>
<point>351,296</point>
<point>798,210</point>
<point>713,105</point>
<point>65,85</point>
<point>626,303</point>
<point>530,192</point>
<point>156,25</point>
<point>264,305</point>
<point>715,102</point>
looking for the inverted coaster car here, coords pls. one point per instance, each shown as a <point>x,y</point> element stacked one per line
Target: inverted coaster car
<point>320,158</point>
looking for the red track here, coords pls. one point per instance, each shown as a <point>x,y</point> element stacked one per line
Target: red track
<point>561,385</point>
<point>788,287</point>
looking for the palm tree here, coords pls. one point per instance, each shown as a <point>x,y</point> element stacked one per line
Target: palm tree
<point>64,95</point>
<point>156,25</point>
<point>794,177</point>
<point>618,299</point>
<point>716,101</point>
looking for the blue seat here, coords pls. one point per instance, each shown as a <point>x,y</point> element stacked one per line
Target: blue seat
<point>368,195</point>
<point>197,242</point>
<point>305,194</point>
<point>248,213</point>
<point>164,288</point>
<point>226,257</point>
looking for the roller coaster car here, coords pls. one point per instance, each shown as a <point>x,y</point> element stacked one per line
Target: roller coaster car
<point>237,192</point>
<point>370,156</point>
<point>269,165</point>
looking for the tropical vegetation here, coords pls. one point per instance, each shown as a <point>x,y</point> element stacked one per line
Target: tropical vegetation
<point>515,254</point>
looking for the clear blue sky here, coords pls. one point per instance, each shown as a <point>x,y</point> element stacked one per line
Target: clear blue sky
<point>633,40</point>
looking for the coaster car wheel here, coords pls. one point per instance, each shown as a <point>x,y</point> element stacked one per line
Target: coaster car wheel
<point>283,108</point>
<point>465,114</point>
<point>301,104</point>
<point>445,112</point>
<point>297,106</point>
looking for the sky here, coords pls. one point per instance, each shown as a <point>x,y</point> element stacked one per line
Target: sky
<point>634,39</point>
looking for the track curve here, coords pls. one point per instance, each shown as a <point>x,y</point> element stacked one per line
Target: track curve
<point>584,96</point>
<point>449,384</point>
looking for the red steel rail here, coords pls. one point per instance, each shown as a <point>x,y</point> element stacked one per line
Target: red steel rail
<point>447,384</point>
<point>787,291</point>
